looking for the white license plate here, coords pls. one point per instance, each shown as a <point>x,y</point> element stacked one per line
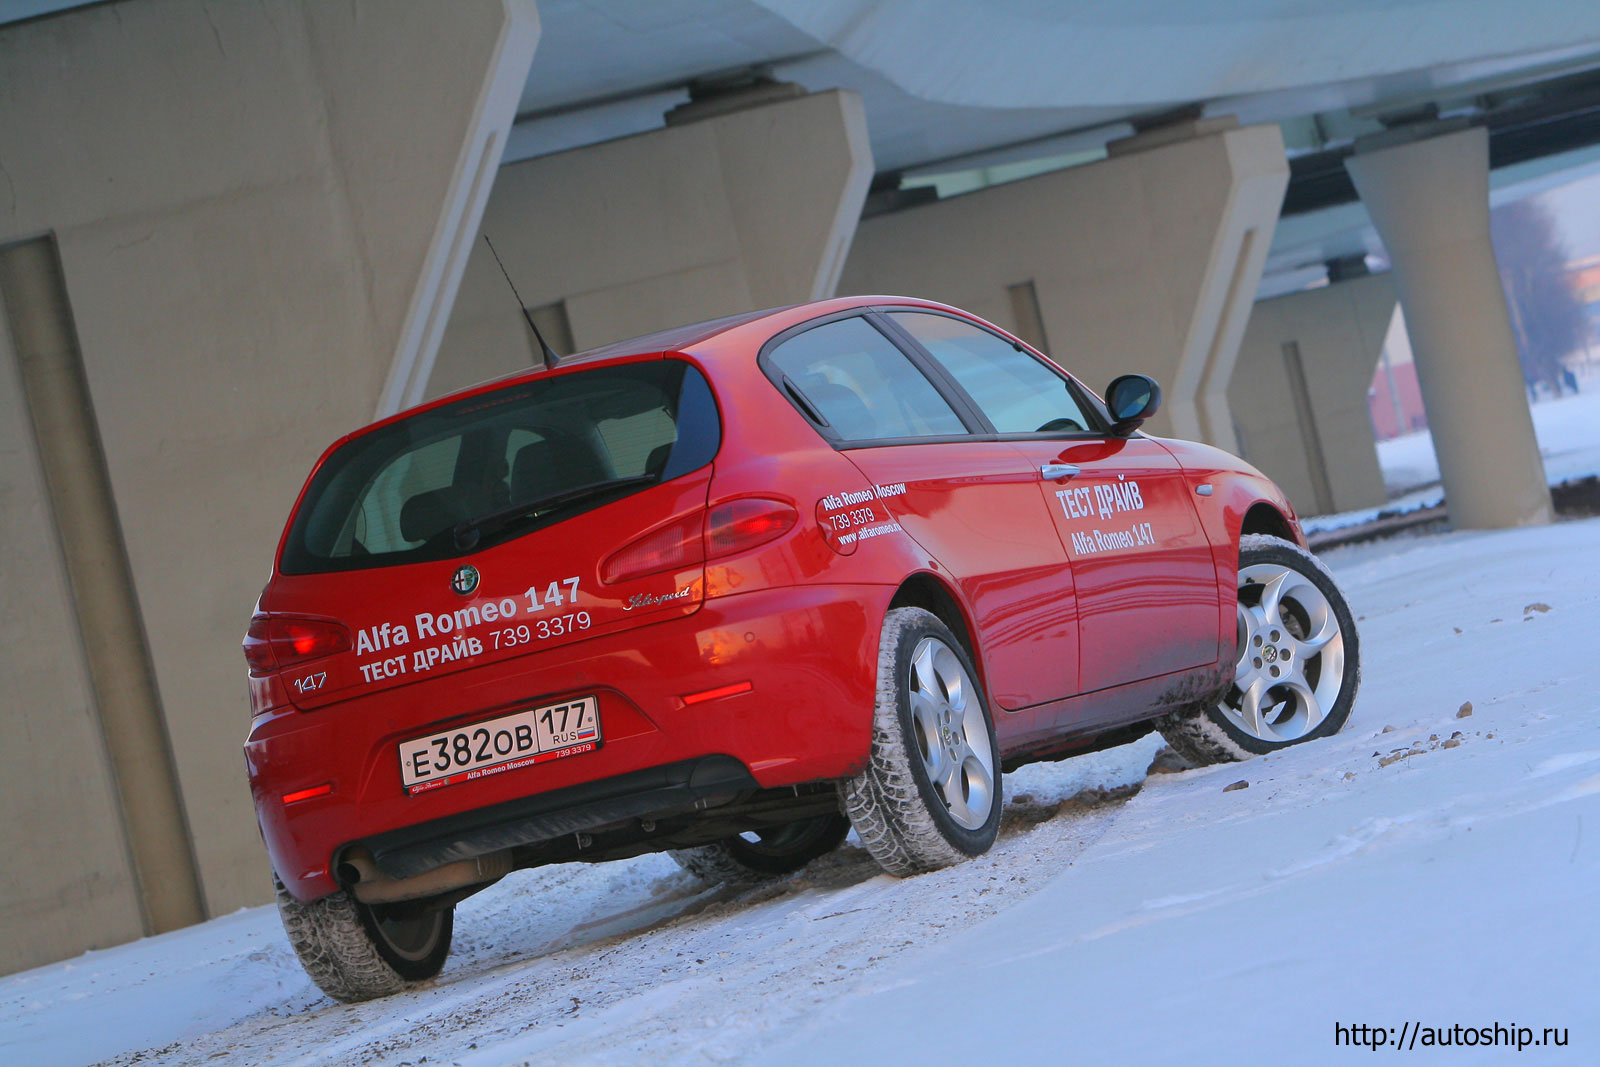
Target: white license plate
<point>468,753</point>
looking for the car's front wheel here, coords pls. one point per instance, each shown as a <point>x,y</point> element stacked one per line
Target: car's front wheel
<point>1297,661</point>
<point>356,951</point>
<point>930,795</point>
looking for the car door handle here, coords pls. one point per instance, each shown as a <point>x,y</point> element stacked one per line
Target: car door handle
<point>1055,472</point>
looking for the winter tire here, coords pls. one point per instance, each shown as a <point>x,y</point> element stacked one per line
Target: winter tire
<point>764,854</point>
<point>355,951</point>
<point>1298,662</point>
<point>931,793</point>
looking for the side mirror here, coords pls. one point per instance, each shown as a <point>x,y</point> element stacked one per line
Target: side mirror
<point>1131,398</point>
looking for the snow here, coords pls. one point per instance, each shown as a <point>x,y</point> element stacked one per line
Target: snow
<point>1568,430</point>
<point>1455,885</point>
<point>1179,923</point>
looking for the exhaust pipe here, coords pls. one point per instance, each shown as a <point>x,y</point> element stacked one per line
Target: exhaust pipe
<point>359,873</point>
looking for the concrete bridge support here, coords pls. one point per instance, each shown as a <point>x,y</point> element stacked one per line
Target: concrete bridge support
<point>228,232</point>
<point>1299,392</point>
<point>748,207</point>
<point>1147,261</point>
<point>1429,198</point>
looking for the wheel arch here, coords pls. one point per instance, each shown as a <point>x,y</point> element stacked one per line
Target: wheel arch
<point>930,593</point>
<point>1263,518</point>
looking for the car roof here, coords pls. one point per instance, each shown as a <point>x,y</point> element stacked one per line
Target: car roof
<point>737,331</point>
<point>675,339</point>
<point>733,330</point>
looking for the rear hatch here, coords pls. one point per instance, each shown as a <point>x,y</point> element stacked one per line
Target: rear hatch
<point>513,522</point>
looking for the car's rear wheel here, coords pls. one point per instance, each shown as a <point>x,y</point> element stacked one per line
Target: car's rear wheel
<point>356,951</point>
<point>1297,661</point>
<point>931,792</point>
<point>766,853</point>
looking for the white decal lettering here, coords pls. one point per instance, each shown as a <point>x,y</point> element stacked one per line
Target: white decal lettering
<point>878,531</point>
<point>457,622</point>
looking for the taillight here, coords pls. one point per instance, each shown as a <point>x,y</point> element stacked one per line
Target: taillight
<point>275,642</point>
<point>672,547</point>
<point>727,528</point>
<point>743,524</point>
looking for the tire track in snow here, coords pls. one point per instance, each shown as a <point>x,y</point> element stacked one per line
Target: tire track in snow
<point>637,960</point>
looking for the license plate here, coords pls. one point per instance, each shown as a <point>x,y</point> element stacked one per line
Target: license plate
<point>468,753</point>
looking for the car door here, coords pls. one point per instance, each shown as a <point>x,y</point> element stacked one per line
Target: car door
<point>1145,579</point>
<point>972,505</point>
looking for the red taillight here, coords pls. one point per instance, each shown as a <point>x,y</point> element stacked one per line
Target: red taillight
<point>743,524</point>
<point>275,642</point>
<point>258,648</point>
<point>672,547</point>
<point>727,528</point>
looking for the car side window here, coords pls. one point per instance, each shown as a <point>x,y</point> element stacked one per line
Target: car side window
<point>1016,392</point>
<point>862,384</point>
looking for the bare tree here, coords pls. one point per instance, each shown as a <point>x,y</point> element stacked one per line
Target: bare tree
<point>1545,312</point>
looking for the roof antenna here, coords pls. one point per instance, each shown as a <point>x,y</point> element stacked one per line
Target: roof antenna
<point>550,357</point>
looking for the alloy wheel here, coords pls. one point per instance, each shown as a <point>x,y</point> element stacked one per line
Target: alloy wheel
<point>1290,668</point>
<point>951,733</point>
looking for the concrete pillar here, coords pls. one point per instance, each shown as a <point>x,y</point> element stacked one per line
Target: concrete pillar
<point>1299,392</point>
<point>1429,199</point>
<point>744,209</point>
<point>33,300</point>
<point>261,211</point>
<point>66,876</point>
<point>1147,261</point>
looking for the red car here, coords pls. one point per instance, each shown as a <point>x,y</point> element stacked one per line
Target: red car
<point>732,589</point>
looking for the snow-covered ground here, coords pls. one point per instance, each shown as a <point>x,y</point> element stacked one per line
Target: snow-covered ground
<point>1568,430</point>
<point>1419,868</point>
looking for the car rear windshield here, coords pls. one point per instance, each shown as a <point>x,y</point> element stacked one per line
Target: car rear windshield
<point>492,467</point>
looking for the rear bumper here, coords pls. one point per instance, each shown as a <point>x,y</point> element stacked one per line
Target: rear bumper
<point>414,850</point>
<point>809,654</point>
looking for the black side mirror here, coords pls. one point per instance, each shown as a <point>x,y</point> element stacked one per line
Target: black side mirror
<point>1131,398</point>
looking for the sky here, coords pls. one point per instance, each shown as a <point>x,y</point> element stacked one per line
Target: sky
<point>1577,210</point>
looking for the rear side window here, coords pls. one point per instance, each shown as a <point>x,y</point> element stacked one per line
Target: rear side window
<point>1016,392</point>
<point>862,384</point>
<point>399,493</point>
